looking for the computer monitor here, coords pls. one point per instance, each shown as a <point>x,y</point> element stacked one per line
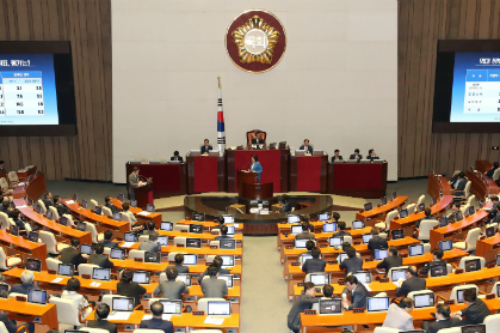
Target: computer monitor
<point>229,278</point>
<point>121,197</point>
<point>300,243</point>
<point>341,257</point>
<point>219,308</point>
<point>33,236</point>
<point>190,259</point>
<point>162,240</point>
<point>498,290</point>
<point>329,227</point>
<point>335,241</point>
<point>81,226</point>
<point>227,260</point>
<point>472,210</point>
<point>398,273</point>
<point>196,228</point>
<point>185,277</point>
<point>152,257</point>
<point>394,195</point>
<point>472,265</point>
<point>117,254</point>
<point>63,220</point>
<point>398,234</point>
<point>324,216</point>
<point>84,204</point>
<point>133,203</point>
<point>193,243</point>
<point>130,237</point>
<point>167,226</point>
<point>380,254</point>
<point>117,216</point>
<point>480,328</point>
<point>231,230</point>
<point>228,218</point>
<point>66,270</point>
<point>416,250</point>
<point>490,232</point>
<point>403,213</point>
<point>14,231</point>
<point>358,224</point>
<point>293,219</point>
<point>34,265</point>
<point>102,274</point>
<point>141,277</point>
<point>75,197</point>
<point>459,216</point>
<point>446,245</point>
<point>366,238</point>
<point>383,201</point>
<point>150,208</point>
<point>227,244</point>
<point>37,296</point>
<point>86,249</point>
<point>423,300</point>
<point>122,304</point>
<point>443,221</point>
<point>319,279</point>
<point>368,206</point>
<point>377,304</point>
<point>296,229</point>
<point>4,287</point>
<point>460,294</point>
<point>304,257</point>
<point>173,307</point>
<point>98,210</point>
<point>421,208</point>
<point>198,217</point>
<point>363,276</point>
<point>438,270</point>
<point>330,307</point>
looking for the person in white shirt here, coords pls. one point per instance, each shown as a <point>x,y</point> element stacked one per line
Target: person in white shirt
<point>80,301</point>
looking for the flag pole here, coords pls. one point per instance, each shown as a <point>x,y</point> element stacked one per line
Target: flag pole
<point>221,134</point>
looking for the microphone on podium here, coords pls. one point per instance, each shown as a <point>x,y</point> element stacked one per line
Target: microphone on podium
<point>245,166</point>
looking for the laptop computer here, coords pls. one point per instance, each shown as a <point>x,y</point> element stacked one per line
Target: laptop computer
<point>34,265</point>
<point>421,208</point>
<point>324,216</point>
<point>49,215</point>
<point>14,231</point>
<point>380,254</point>
<point>377,304</point>
<point>305,257</point>
<point>398,234</point>
<point>86,249</point>
<point>219,308</point>
<point>490,232</point>
<point>185,277</point>
<point>163,240</point>
<point>403,213</point>
<point>101,274</point>
<point>37,296</point>
<point>394,195</point>
<point>152,257</point>
<point>296,229</point>
<point>98,210</point>
<point>319,279</point>
<point>363,276</point>
<point>141,277</point>
<point>84,204</point>
<point>133,203</point>
<point>63,221</point>
<point>66,270</point>
<point>335,241</point>
<point>173,307</point>
<point>472,265</point>
<point>341,257</point>
<point>438,270</point>
<point>122,304</point>
<point>292,219</point>
<point>228,218</point>
<point>4,287</point>
<point>227,244</point>
<point>481,328</point>
<point>190,259</point>
<point>368,206</point>
<point>121,197</point>
<point>459,216</point>
<point>416,250</point>
<point>329,227</point>
<point>167,226</point>
<point>193,243</point>
<point>472,210</point>
<point>443,221</point>
<point>200,217</point>
<point>397,274</point>
<point>117,216</point>
<point>366,238</point>
<point>230,230</point>
<point>81,227</point>
<point>196,228</point>
<point>150,208</point>
<point>130,237</point>
<point>460,295</point>
<point>358,224</point>
<point>227,260</point>
<point>117,254</point>
<point>446,245</point>
<point>330,307</point>
<point>300,243</point>
<point>383,201</point>
<point>229,278</point>
<point>423,300</point>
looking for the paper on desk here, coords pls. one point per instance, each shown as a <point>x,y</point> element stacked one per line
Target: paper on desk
<point>214,320</point>
<point>164,317</point>
<point>119,315</point>
<point>70,202</point>
<point>23,206</point>
<point>56,280</point>
<point>95,284</point>
<point>398,283</point>
<point>128,244</point>
<point>236,225</point>
<point>143,213</point>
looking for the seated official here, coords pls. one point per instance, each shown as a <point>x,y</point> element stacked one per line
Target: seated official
<point>108,204</point>
<point>341,231</point>
<point>176,157</point>
<point>315,264</point>
<point>71,292</point>
<point>303,302</point>
<point>356,155</point>
<point>126,287</point>
<point>151,245</point>
<point>392,260</point>
<point>443,320</point>
<point>172,288</point>
<point>259,139</point>
<point>305,234</point>
<point>157,322</point>
<point>398,315</point>
<point>355,294</point>
<point>336,218</point>
<point>458,181</point>
<point>6,206</point>
<point>151,229</point>
<point>219,220</point>
<point>491,171</point>
<point>58,204</point>
<point>179,263</point>
<point>212,286</point>
<point>47,201</point>
<point>309,246</point>
<point>101,314</point>
<point>108,235</point>
<point>72,255</point>
<point>2,169</point>
<point>206,147</point>
<point>308,149</point>
<point>372,155</point>
<point>496,219</point>
<point>336,156</point>
<point>306,220</point>
<point>11,327</point>
<point>428,216</point>
<point>15,215</point>
<point>476,309</point>
<point>27,279</point>
<point>437,256</point>
<point>377,242</point>
<point>100,259</point>
<point>455,208</point>
<point>126,211</point>
<point>352,263</point>
<point>412,283</point>
<point>285,206</point>
<point>256,167</point>
<point>217,263</point>
<point>493,210</point>
<point>223,233</point>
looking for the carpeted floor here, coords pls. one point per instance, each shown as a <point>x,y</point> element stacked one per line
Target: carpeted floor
<point>264,306</point>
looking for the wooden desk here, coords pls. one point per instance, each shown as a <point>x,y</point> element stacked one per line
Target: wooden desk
<point>209,225</point>
<point>479,187</point>
<point>309,173</point>
<point>28,312</point>
<point>362,180</point>
<point>435,185</point>
<point>205,250</point>
<point>24,247</point>
<point>155,217</point>
<point>483,166</point>
<point>382,210</point>
<point>206,174</point>
<point>488,247</point>
<point>34,189</point>
<point>26,172</point>
<point>284,240</point>
<point>68,232</point>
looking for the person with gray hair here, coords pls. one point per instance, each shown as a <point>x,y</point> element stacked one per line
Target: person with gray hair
<point>157,323</point>
<point>27,279</point>
<point>151,245</point>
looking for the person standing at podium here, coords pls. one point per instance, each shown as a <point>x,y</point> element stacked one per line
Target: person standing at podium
<point>306,147</point>
<point>133,181</point>
<point>256,167</point>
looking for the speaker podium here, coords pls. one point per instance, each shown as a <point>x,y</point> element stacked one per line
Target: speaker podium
<point>144,195</point>
<point>249,188</point>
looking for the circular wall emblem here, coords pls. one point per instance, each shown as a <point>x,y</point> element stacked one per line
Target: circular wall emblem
<point>255,41</point>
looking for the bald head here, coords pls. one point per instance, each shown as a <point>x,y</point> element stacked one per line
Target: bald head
<point>412,271</point>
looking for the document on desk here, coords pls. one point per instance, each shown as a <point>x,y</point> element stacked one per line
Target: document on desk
<point>214,320</point>
<point>143,213</point>
<point>236,225</point>
<point>128,244</point>
<point>70,202</point>
<point>56,280</point>
<point>165,316</point>
<point>119,315</point>
<point>95,284</point>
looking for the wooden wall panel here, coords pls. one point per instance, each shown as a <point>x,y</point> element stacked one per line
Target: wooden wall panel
<point>421,23</point>
<point>87,24</point>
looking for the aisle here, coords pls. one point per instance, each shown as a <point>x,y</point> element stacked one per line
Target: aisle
<point>264,305</point>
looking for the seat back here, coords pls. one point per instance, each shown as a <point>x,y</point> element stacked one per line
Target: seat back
<point>143,238</point>
<point>143,160</point>
<point>454,291</point>
<point>412,294</point>
<point>215,243</point>
<point>348,239</point>
<point>464,208</point>
<point>496,174</point>
<point>13,176</point>
<point>67,312</point>
<point>180,240</point>
<point>467,189</point>
<point>126,217</point>
<point>3,183</point>
<point>3,260</point>
<point>471,239</point>
<point>106,211</point>
<point>147,330</point>
<point>471,200</point>
<point>492,321</point>
<point>3,329</point>
<point>181,227</point>
<point>136,254</point>
<point>92,204</point>
<point>390,216</point>
<point>421,200</point>
<point>411,208</point>
<point>203,302</point>
<point>463,260</point>
<point>389,274</point>
<point>52,264</point>
<point>171,256</point>
<point>48,238</point>
<point>55,214</point>
<point>86,269</point>
<point>4,221</point>
<point>93,330</point>
<point>42,205</point>
<point>385,330</point>
<point>71,223</point>
<point>93,231</point>
<point>108,299</point>
<point>424,230</point>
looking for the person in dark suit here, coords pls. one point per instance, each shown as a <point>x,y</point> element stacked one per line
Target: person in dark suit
<point>412,283</point>
<point>72,255</point>
<point>258,140</point>
<point>2,169</point>
<point>223,233</point>
<point>305,234</point>
<point>11,327</point>
<point>47,201</point>
<point>108,204</point>
<point>443,320</point>
<point>206,147</point>
<point>27,279</point>
<point>336,217</point>
<point>372,155</point>
<point>352,263</point>
<point>455,208</point>
<point>308,149</point>
<point>98,258</point>
<point>309,246</point>
<point>303,302</point>
<point>176,157</point>
<point>491,171</point>
<point>437,256</point>
<point>102,313</point>
<point>157,323</point>
<point>315,264</point>
<point>151,229</point>
<point>336,156</point>
<point>212,286</point>
<point>476,309</point>
<point>128,288</point>
<point>285,206</point>
<point>392,260</point>
<point>341,231</point>
<point>356,155</point>
<point>355,294</point>
<point>171,288</point>
<point>217,262</point>
<point>58,204</point>
<point>108,235</point>
<point>179,263</point>
<point>377,242</point>
<point>15,215</point>
<point>133,181</point>
<point>459,183</point>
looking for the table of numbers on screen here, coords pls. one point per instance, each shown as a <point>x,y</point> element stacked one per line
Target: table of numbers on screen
<point>21,94</point>
<point>482,91</point>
